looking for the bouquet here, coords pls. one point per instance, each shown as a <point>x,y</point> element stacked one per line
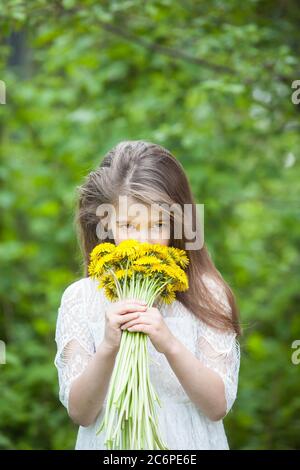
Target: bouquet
<point>146,272</point>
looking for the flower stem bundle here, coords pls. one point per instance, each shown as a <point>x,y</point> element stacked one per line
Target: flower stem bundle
<point>146,272</point>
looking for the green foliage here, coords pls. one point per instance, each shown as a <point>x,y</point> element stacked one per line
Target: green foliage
<point>211,81</point>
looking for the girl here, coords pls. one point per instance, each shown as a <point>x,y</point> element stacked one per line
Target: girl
<point>193,347</point>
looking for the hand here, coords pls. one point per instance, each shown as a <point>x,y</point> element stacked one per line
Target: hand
<point>152,323</point>
<point>117,314</point>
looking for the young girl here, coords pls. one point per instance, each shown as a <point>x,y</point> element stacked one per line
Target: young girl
<point>193,347</point>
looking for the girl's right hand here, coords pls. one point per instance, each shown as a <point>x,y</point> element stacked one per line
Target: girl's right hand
<point>117,314</point>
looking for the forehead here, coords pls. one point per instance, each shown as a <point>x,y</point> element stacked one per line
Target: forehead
<point>137,210</point>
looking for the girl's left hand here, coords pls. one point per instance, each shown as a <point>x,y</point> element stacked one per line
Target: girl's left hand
<point>152,323</point>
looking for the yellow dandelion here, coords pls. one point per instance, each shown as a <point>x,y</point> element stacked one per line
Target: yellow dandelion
<point>111,293</point>
<point>179,256</point>
<point>139,269</point>
<point>92,268</point>
<point>155,268</point>
<point>168,297</point>
<point>147,260</point>
<point>155,249</point>
<point>127,249</point>
<point>102,248</point>
<point>122,273</point>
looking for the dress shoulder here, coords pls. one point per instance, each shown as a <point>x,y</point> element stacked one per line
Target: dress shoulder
<point>80,289</point>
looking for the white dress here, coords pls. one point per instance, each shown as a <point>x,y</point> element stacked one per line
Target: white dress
<point>183,426</point>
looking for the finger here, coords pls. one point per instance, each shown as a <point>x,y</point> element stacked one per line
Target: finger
<point>144,319</point>
<point>140,327</point>
<point>128,308</point>
<point>126,318</point>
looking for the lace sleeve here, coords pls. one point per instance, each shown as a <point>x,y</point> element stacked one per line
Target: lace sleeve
<point>75,346</point>
<point>219,350</point>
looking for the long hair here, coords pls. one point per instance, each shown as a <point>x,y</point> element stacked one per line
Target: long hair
<point>149,173</point>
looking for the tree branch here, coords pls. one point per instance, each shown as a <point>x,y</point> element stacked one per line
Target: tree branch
<point>175,54</point>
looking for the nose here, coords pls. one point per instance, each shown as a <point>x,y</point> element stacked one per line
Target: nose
<point>142,239</point>
<point>142,236</point>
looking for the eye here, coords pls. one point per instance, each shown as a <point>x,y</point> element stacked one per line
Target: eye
<point>161,224</point>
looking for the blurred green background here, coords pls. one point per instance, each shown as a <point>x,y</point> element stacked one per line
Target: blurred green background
<point>212,82</point>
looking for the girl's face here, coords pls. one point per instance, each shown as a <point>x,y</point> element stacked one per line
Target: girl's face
<point>135,220</point>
